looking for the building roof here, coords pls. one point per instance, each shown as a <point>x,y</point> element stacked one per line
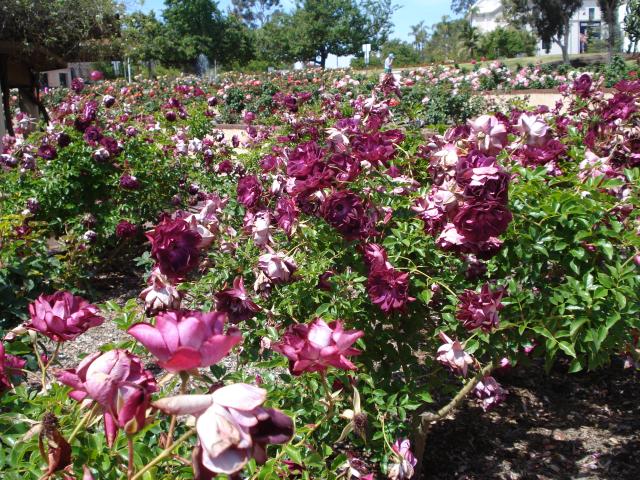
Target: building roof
<point>485,7</point>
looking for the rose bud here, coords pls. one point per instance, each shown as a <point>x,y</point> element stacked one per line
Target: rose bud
<point>117,381</point>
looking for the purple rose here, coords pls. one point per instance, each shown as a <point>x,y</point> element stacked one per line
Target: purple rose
<point>344,210</point>
<point>478,221</point>
<point>582,85</point>
<point>236,303</point>
<point>129,182</point>
<point>126,229</point>
<point>249,191</point>
<point>174,245</point>
<point>77,85</point>
<point>47,152</point>
<point>480,310</point>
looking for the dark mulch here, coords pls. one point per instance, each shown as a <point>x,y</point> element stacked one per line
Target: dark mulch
<point>557,426</point>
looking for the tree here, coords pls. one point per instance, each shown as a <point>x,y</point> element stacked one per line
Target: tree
<point>64,29</point>
<point>144,38</point>
<point>194,26</point>
<point>420,36</point>
<point>609,9</point>
<point>447,40</point>
<point>275,39</point>
<point>255,13</point>
<point>506,42</point>
<point>632,24</point>
<point>338,27</point>
<point>462,6</point>
<point>551,19</point>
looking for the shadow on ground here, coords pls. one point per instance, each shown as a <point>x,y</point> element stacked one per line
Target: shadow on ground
<point>584,426</point>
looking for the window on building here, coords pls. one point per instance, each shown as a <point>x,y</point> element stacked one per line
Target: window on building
<point>63,79</point>
<point>592,14</point>
<point>44,80</point>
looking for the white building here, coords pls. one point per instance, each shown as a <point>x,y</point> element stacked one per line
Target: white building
<point>487,15</point>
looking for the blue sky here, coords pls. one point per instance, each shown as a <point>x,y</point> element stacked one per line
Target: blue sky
<point>410,13</point>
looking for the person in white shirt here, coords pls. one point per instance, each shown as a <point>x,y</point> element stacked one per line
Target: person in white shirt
<point>388,63</point>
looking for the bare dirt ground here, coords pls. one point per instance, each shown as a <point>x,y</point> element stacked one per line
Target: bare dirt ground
<point>560,426</point>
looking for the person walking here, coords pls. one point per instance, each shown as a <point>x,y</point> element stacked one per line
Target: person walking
<point>388,63</point>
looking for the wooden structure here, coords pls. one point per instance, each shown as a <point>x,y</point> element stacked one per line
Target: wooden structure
<point>20,71</point>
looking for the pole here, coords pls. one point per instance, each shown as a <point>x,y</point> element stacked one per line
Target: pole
<point>129,68</point>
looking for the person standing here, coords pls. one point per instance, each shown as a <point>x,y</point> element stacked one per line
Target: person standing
<point>388,63</point>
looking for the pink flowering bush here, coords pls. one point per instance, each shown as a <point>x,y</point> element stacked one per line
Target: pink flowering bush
<point>328,275</point>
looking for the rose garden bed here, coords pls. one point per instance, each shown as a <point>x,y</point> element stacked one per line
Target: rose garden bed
<point>326,296</point>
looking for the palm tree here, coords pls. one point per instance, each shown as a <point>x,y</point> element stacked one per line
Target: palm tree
<point>470,37</point>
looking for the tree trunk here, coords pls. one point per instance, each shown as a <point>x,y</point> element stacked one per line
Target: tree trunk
<point>323,58</point>
<point>611,16</point>
<point>4,87</point>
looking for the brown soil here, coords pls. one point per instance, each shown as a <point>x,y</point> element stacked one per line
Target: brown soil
<point>560,426</point>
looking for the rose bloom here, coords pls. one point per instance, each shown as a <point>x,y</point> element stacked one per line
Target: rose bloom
<point>174,244</point>
<point>277,267</point>
<point>249,191</point>
<point>407,461</point>
<point>489,393</point>
<point>62,316</point>
<point>236,303</point>
<point>480,310</point>
<point>582,85</point>
<point>232,427</point>
<point>47,152</point>
<point>452,355</point>
<point>160,295</point>
<point>126,229</point>
<point>9,365</point>
<point>185,340</point>
<point>480,220</point>
<point>389,288</point>
<point>316,346</point>
<point>489,133</point>
<point>344,210</point>
<point>77,85</point>
<point>117,381</point>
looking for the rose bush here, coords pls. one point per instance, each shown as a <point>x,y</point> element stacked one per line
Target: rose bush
<point>307,278</point>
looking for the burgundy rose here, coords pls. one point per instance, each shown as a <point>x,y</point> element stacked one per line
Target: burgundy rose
<point>388,288</point>
<point>62,316</point>
<point>63,139</point>
<point>582,85</point>
<point>77,85</point>
<point>111,145</point>
<point>129,182</point>
<point>480,310</point>
<point>236,303</point>
<point>126,229</point>
<point>47,152</point>
<point>249,191</point>
<point>478,220</point>
<point>344,210</point>
<point>286,214</point>
<point>92,134</point>
<point>174,245</point>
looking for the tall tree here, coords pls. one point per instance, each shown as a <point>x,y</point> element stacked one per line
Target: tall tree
<point>255,13</point>
<point>551,19</point>
<point>420,36</point>
<point>194,26</point>
<point>462,6</point>
<point>609,9</point>
<point>144,38</point>
<point>64,28</point>
<point>339,27</point>
<point>632,24</point>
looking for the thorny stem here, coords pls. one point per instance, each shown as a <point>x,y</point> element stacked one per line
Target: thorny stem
<point>184,376</point>
<point>130,466</point>
<point>164,454</point>
<point>43,370</point>
<point>425,419</point>
<point>83,422</point>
